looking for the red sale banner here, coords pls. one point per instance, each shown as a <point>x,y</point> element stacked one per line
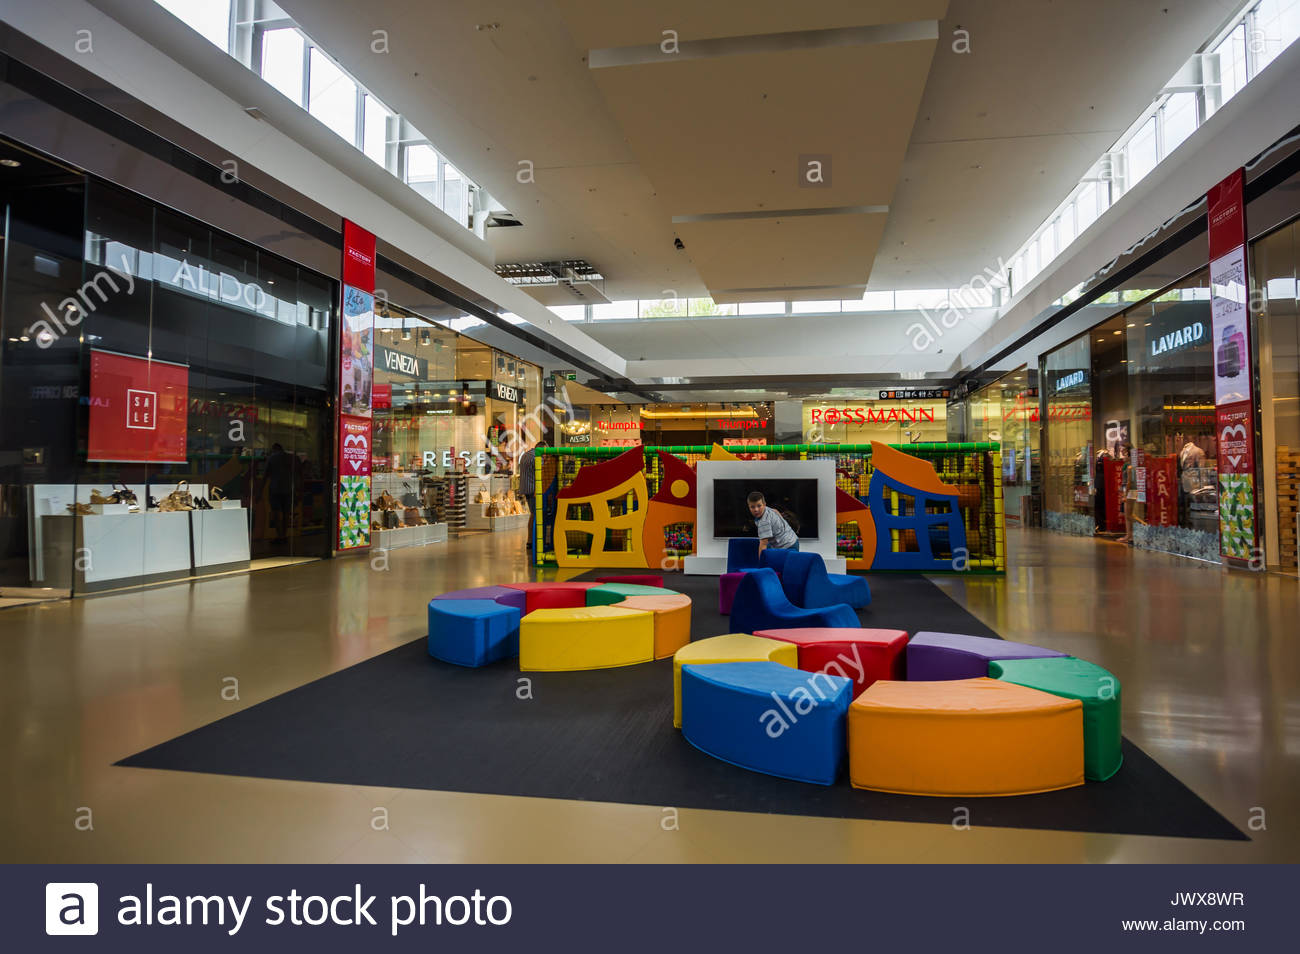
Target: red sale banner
<point>354,446</point>
<point>139,409</point>
<point>1162,491</point>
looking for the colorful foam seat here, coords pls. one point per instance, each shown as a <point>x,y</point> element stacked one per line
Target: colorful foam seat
<point>760,603</point>
<point>502,594</point>
<point>733,647</point>
<point>774,558</point>
<point>1093,686</point>
<point>585,637</point>
<point>644,579</point>
<point>742,554</point>
<point>608,594</point>
<point>727,584</point>
<point>472,632</point>
<point>863,655</point>
<point>672,619</point>
<point>767,717</point>
<point>932,656</point>
<point>552,595</point>
<point>807,584</point>
<point>967,737</point>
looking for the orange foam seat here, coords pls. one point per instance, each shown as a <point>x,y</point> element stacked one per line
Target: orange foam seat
<point>968,737</point>
<point>672,619</point>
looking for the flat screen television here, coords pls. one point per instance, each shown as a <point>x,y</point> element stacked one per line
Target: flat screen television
<point>731,517</point>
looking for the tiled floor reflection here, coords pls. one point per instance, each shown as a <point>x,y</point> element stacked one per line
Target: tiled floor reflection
<point>1209,661</point>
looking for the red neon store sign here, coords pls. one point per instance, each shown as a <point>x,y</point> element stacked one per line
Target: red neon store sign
<point>871,415</point>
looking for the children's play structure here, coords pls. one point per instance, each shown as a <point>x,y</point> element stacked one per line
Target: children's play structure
<point>929,507</point>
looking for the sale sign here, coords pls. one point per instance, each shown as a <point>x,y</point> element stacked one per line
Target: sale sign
<point>1162,491</point>
<point>139,409</point>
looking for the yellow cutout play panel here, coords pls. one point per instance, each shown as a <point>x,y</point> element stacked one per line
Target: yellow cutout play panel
<point>585,637</point>
<point>733,647</point>
<point>968,737</point>
<point>672,620</point>
<point>605,505</point>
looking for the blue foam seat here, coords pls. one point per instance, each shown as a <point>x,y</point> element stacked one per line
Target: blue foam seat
<point>774,559</point>
<point>768,718</point>
<point>807,583</point>
<point>472,632</point>
<point>760,603</point>
<point>742,554</point>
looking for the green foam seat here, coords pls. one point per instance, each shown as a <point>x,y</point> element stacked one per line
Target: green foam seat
<point>608,594</point>
<point>1093,686</point>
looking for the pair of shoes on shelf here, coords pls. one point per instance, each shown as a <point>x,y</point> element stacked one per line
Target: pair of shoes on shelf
<point>80,509</point>
<point>201,503</point>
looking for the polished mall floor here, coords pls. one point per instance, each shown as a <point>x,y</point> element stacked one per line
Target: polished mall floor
<point>1209,662</point>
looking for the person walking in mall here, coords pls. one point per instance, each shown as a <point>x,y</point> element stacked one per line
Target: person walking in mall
<point>528,485</point>
<point>1128,485</point>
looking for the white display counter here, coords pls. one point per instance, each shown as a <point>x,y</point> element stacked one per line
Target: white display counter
<point>220,539</point>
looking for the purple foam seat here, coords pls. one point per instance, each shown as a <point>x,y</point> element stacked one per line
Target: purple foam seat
<point>727,584</point>
<point>504,595</point>
<point>937,656</point>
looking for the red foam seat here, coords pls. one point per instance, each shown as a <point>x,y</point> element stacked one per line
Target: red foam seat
<point>864,655</point>
<point>552,595</point>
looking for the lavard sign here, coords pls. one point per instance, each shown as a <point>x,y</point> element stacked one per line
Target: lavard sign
<point>1175,340</point>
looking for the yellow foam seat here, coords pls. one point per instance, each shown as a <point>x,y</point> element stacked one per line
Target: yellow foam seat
<point>585,637</point>
<point>733,647</point>
<point>967,737</point>
<point>672,619</point>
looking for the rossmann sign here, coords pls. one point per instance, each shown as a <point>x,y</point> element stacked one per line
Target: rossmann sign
<point>872,415</point>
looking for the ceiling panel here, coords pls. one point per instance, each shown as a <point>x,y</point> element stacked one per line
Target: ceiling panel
<point>725,134</point>
<point>596,24</point>
<point>798,251</point>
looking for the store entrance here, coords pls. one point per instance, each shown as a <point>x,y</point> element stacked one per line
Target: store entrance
<point>41,228</point>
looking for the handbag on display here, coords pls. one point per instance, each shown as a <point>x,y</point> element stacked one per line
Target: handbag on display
<point>409,499</point>
<point>411,516</point>
<point>178,499</point>
<point>390,519</point>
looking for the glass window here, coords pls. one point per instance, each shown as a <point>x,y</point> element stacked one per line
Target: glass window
<point>708,308</point>
<point>569,312</point>
<point>1047,244</point>
<point>762,308</point>
<point>814,307</point>
<point>375,136</point>
<point>282,52</point>
<point>921,298</point>
<point>872,301</point>
<point>1086,204</point>
<point>333,96</point>
<point>209,18</point>
<point>455,197</point>
<point>1277,26</point>
<point>663,308</point>
<point>1179,117</point>
<point>422,171</point>
<point>614,311</point>
<point>1141,152</point>
<point>1232,63</point>
<point>1067,220</point>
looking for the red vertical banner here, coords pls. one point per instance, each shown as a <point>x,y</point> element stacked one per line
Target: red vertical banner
<point>356,386</point>
<point>1162,491</point>
<point>1233,369</point>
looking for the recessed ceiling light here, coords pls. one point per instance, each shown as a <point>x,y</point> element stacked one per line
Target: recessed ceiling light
<point>10,163</point>
<point>1117,332</point>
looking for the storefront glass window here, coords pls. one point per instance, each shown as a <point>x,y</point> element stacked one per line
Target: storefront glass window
<point>1066,376</point>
